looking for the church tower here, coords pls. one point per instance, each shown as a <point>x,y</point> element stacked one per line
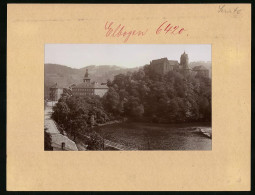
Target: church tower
<point>86,78</point>
<point>184,61</point>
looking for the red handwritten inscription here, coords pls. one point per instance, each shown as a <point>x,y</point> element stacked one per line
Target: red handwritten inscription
<point>120,31</point>
<point>169,28</point>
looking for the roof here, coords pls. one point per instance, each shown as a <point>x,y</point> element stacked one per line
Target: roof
<point>197,68</point>
<point>162,60</point>
<point>55,86</point>
<point>159,61</point>
<point>58,139</point>
<point>100,86</point>
<point>84,85</point>
<point>68,91</point>
<point>90,86</point>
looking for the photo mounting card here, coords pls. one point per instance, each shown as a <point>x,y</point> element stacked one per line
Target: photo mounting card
<point>128,97</point>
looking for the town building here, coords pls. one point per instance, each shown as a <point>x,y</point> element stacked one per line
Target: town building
<point>87,87</point>
<point>201,71</point>
<point>61,142</point>
<point>55,92</point>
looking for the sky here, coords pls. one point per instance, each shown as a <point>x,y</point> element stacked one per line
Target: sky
<point>123,55</point>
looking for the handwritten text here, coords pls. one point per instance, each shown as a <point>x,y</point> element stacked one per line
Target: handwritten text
<point>121,31</point>
<point>223,9</point>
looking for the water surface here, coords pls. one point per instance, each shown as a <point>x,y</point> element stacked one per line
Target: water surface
<point>149,136</point>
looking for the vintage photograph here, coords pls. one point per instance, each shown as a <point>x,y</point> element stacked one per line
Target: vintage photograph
<point>127,97</point>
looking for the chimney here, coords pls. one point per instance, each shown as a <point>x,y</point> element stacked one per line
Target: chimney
<point>63,145</point>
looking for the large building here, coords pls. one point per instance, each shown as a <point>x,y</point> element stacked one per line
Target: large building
<point>55,92</point>
<point>201,71</point>
<point>163,65</point>
<point>87,87</point>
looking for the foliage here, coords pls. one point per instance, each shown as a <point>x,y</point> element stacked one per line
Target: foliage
<point>79,112</point>
<point>45,104</point>
<point>47,141</point>
<point>173,97</point>
<point>142,95</point>
<point>76,115</point>
<point>95,142</point>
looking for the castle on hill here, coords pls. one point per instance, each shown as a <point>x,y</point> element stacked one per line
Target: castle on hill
<point>160,66</point>
<point>163,65</point>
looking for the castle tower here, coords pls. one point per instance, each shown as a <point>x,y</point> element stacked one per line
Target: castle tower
<point>86,78</point>
<point>184,61</point>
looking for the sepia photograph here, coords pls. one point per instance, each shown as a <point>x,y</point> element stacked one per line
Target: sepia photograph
<point>127,97</point>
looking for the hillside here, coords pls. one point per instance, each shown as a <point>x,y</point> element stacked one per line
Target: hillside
<point>65,76</point>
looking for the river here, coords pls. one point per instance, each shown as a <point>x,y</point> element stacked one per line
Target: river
<point>149,136</point>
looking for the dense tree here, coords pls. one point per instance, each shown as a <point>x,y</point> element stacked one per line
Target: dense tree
<point>76,115</point>
<point>173,97</point>
<point>47,141</point>
<point>142,95</point>
<point>95,142</point>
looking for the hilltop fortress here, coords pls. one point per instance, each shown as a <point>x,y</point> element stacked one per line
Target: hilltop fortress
<point>160,66</point>
<point>163,65</point>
